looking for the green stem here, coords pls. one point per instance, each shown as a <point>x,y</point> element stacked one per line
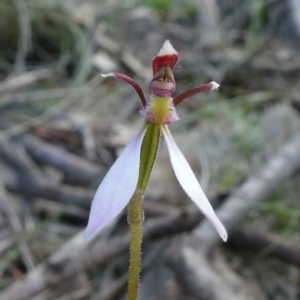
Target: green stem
<point>135,207</point>
<point>135,220</point>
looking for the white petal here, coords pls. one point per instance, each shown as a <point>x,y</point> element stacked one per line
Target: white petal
<point>189,183</point>
<point>117,188</point>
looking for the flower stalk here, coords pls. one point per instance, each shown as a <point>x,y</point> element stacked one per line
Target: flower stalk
<point>135,210</point>
<point>135,219</point>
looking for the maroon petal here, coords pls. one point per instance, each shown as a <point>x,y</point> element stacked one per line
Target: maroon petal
<point>132,82</point>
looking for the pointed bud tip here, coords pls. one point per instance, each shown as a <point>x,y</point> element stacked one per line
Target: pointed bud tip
<point>167,56</point>
<point>215,85</point>
<point>167,49</point>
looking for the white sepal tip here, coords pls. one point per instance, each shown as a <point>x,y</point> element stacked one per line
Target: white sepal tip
<point>111,74</point>
<point>215,85</point>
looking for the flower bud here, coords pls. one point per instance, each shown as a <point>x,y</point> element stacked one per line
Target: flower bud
<point>167,56</point>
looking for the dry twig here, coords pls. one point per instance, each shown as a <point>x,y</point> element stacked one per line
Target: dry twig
<point>199,244</point>
<point>31,181</point>
<point>257,242</point>
<point>75,167</point>
<point>17,229</point>
<point>127,58</point>
<point>75,256</point>
<point>18,82</point>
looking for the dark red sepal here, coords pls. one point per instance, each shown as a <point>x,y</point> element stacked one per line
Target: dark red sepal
<point>131,81</point>
<point>199,89</point>
<point>166,60</point>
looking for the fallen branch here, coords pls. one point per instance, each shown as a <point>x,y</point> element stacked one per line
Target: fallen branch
<point>76,168</point>
<point>129,60</point>
<point>16,83</point>
<point>198,246</point>
<point>253,191</point>
<point>207,279</point>
<point>295,12</point>
<point>15,223</point>
<point>261,243</point>
<point>75,256</point>
<point>31,182</point>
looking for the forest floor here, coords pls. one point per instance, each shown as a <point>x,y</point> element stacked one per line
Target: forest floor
<point>63,125</point>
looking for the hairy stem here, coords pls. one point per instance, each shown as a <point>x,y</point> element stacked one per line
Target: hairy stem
<point>135,208</point>
<point>135,220</point>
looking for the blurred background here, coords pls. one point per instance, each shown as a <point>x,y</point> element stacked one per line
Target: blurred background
<point>63,125</point>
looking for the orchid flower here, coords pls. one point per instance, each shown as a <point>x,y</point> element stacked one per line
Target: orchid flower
<point>121,181</point>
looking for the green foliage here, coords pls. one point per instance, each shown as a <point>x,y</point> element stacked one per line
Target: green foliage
<point>257,21</point>
<point>189,10</point>
<point>167,6</point>
<point>52,34</point>
<point>284,217</point>
<point>161,6</point>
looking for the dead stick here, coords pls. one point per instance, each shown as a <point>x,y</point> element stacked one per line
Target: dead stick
<point>73,166</point>
<point>14,84</point>
<point>262,243</point>
<point>75,256</point>
<point>253,191</point>
<point>198,246</point>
